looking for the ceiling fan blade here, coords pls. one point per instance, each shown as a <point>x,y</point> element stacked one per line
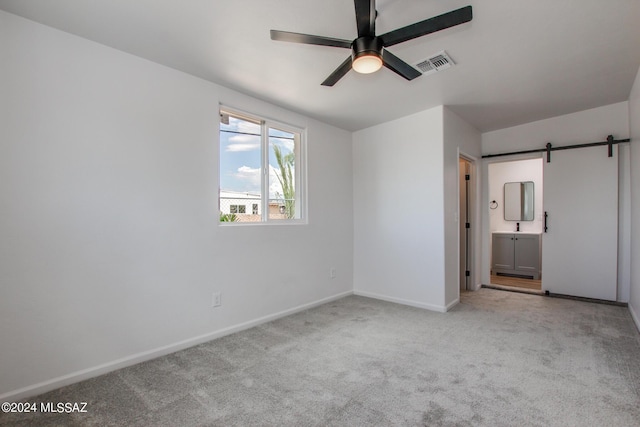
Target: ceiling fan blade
<point>398,66</point>
<point>431,25</point>
<point>286,36</point>
<point>338,73</point>
<point>366,17</point>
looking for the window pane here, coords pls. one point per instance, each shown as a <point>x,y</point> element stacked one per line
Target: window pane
<point>240,171</point>
<point>282,174</point>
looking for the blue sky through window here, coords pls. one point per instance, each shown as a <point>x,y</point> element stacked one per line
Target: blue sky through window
<point>240,156</point>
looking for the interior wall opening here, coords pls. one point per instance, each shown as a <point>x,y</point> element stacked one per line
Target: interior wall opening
<point>516,221</point>
<point>468,223</point>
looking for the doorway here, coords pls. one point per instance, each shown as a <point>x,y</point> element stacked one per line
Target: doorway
<point>465,213</point>
<point>516,224</point>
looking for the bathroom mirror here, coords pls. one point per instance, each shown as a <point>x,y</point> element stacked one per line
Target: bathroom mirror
<point>518,201</point>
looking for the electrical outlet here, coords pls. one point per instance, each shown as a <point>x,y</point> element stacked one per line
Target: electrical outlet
<point>217,299</point>
<point>332,273</point>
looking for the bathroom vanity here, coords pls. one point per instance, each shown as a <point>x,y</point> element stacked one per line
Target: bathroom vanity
<point>516,254</point>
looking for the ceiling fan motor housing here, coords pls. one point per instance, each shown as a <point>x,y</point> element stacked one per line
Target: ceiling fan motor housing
<point>366,46</point>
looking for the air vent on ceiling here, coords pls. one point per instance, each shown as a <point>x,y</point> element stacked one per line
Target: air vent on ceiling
<point>438,62</point>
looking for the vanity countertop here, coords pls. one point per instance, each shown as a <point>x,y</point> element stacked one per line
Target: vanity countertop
<point>516,232</point>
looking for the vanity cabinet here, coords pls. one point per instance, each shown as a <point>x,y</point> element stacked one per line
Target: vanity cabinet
<point>516,254</point>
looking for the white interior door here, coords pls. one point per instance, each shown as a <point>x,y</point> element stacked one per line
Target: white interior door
<point>579,249</point>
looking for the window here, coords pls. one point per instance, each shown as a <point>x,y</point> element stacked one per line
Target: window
<point>260,166</point>
<point>234,209</point>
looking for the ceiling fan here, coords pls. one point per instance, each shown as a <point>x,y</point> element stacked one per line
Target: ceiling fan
<point>368,51</point>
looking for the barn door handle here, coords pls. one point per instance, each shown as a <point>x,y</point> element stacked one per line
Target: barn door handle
<point>546,215</point>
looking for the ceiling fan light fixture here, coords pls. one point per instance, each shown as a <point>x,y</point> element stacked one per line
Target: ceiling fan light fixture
<point>367,63</point>
<point>366,55</point>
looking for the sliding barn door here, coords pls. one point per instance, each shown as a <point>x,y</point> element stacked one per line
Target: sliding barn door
<point>580,247</point>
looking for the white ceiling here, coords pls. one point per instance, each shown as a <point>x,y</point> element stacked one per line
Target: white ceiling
<point>517,61</point>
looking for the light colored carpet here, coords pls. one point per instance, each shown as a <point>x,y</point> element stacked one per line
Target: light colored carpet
<point>497,359</point>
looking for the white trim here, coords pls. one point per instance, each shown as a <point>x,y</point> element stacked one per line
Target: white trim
<point>432,307</point>
<point>257,117</point>
<point>74,377</point>
<point>475,281</point>
<point>452,304</point>
<point>634,316</point>
<point>485,231</point>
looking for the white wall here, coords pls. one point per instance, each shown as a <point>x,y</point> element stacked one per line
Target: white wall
<point>399,211</point>
<point>406,235</point>
<point>110,246</point>
<point>634,125</point>
<point>515,171</point>
<point>459,138</point>
<point>577,128</point>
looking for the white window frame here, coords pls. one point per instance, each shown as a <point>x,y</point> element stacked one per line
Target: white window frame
<point>300,167</point>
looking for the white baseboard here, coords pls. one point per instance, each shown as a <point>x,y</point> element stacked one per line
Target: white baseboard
<point>432,307</point>
<point>634,316</point>
<point>85,374</point>
<point>452,304</point>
